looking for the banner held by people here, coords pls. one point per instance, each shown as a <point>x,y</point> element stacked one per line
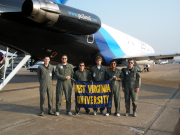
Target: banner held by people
<point>93,94</point>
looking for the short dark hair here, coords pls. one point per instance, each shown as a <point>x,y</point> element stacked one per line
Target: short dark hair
<point>81,62</point>
<point>98,57</point>
<point>113,61</point>
<point>130,60</point>
<point>64,55</point>
<point>46,56</point>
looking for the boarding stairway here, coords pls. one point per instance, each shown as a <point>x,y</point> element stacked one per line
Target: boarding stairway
<point>12,66</point>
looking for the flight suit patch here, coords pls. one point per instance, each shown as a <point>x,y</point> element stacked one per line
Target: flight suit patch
<point>94,74</point>
<point>50,74</point>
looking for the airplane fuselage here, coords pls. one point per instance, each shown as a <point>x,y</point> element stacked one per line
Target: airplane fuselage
<point>21,33</point>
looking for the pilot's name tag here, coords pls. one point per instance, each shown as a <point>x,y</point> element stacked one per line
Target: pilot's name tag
<point>126,72</point>
<point>61,66</point>
<point>50,74</point>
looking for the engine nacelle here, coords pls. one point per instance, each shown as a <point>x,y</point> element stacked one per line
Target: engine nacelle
<point>61,17</point>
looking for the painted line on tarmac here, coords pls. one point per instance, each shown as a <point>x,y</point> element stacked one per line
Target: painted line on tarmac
<point>161,111</point>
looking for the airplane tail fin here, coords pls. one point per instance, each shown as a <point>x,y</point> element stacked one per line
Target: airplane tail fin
<point>59,1</point>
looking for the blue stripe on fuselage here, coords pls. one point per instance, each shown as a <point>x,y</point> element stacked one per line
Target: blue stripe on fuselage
<point>56,1</point>
<point>113,45</point>
<point>59,1</point>
<point>103,47</point>
<point>108,47</point>
<point>64,1</point>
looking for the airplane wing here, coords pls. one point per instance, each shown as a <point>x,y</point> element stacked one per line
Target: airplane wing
<point>152,56</point>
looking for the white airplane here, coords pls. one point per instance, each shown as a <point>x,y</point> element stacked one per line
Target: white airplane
<point>38,28</point>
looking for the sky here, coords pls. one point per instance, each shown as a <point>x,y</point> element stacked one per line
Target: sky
<point>155,22</point>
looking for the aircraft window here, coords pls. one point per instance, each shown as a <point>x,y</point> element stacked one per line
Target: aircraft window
<point>143,46</point>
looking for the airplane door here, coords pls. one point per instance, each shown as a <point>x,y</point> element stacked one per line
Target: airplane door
<point>90,39</point>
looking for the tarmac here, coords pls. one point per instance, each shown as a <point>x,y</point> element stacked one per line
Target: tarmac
<point>158,108</point>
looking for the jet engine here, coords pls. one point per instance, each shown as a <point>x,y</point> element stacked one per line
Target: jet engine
<point>61,17</point>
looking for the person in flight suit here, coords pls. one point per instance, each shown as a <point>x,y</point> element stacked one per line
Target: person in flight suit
<point>64,72</point>
<point>116,75</point>
<point>98,73</point>
<point>45,75</point>
<point>82,75</point>
<point>2,58</point>
<point>131,86</point>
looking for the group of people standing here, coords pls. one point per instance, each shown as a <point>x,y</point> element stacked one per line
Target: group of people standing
<point>64,72</point>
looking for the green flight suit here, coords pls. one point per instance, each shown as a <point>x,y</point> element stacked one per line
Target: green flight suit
<point>131,82</point>
<point>64,85</point>
<point>2,70</point>
<point>82,76</point>
<point>115,88</point>
<point>45,76</point>
<point>98,75</point>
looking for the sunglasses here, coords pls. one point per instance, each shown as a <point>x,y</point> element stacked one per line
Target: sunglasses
<point>130,62</point>
<point>98,60</point>
<point>113,63</point>
<point>64,58</point>
<point>81,65</point>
